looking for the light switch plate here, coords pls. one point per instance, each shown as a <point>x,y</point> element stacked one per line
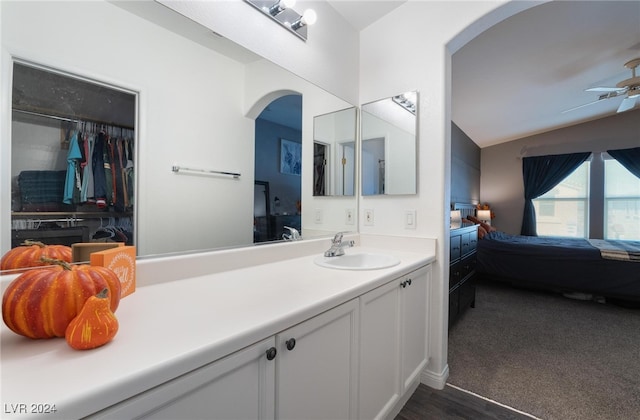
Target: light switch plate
<point>409,219</point>
<point>368,217</point>
<point>318,216</point>
<point>348,217</point>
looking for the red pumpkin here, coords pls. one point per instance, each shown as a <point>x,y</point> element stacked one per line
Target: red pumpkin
<point>94,326</point>
<point>31,253</point>
<point>41,303</point>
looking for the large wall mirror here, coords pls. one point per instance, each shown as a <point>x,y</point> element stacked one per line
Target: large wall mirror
<point>334,153</point>
<point>388,133</point>
<point>73,159</point>
<point>197,112</point>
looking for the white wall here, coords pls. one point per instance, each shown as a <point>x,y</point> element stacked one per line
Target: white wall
<point>329,57</point>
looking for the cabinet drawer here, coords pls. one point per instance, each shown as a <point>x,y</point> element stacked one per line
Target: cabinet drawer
<point>467,265</point>
<point>473,240</point>
<point>456,250</point>
<point>455,274</point>
<point>469,242</point>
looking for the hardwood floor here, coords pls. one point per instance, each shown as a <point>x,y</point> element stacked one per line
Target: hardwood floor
<point>452,403</point>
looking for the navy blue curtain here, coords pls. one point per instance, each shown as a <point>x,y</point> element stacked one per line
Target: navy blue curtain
<point>541,174</point>
<point>629,158</point>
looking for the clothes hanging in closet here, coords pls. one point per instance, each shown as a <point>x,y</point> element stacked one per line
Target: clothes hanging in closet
<point>100,168</point>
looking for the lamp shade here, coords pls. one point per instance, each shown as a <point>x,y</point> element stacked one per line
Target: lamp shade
<point>455,219</point>
<point>484,215</point>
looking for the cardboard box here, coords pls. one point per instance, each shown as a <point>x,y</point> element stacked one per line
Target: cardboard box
<point>122,260</point>
<point>81,251</point>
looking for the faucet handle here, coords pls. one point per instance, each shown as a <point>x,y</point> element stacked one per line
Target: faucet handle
<point>338,238</point>
<point>293,236</point>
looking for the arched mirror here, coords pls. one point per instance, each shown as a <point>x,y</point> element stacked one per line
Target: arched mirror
<point>388,133</point>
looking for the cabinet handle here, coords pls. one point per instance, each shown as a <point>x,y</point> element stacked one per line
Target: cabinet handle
<point>409,282</point>
<point>403,284</point>
<point>291,343</point>
<point>271,353</point>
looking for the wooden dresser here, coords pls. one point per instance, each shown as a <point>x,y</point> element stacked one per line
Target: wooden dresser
<point>462,271</point>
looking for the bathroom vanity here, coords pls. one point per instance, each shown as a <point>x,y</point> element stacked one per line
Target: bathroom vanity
<point>281,338</point>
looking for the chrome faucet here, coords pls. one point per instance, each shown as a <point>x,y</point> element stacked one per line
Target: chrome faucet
<point>294,235</point>
<point>337,246</point>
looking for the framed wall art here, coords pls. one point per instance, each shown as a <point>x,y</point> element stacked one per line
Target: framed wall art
<point>290,157</point>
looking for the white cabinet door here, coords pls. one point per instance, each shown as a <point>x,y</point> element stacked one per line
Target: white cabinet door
<point>393,341</point>
<point>240,386</point>
<point>316,374</point>
<point>379,351</point>
<point>415,324</point>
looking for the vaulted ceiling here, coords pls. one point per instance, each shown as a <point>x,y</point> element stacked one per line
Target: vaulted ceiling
<point>520,76</point>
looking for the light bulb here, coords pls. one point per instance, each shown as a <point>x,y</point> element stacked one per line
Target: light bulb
<point>309,17</point>
<point>279,6</point>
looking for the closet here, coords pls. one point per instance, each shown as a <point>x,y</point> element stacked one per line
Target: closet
<point>73,159</point>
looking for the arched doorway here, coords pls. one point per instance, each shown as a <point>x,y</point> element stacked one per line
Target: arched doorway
<point>278,168</point>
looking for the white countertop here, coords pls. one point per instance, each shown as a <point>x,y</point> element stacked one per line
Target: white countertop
<point>173,327</point>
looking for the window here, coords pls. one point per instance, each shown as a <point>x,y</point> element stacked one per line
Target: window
<point>621,202</point>
<point>563,211</point>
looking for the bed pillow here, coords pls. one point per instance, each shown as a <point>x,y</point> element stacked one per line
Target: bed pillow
<point>481,232</point>
<point>474,219</point>
<point>487,227</point>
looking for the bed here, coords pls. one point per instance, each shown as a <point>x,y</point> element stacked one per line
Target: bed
<point>609,269</point>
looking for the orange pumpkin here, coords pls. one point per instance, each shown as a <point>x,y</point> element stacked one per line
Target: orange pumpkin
<point>31,253</point>
<point>41,302</point>
<point>94,326</point>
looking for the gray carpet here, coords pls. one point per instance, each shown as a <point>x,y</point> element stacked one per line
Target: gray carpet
<point>544,354</point>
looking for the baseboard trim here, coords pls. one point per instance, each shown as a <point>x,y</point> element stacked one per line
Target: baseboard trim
<point>436,380</point>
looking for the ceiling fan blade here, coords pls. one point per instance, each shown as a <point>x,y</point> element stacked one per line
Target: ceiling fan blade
<point>604,89</point>
<point>627,104</point>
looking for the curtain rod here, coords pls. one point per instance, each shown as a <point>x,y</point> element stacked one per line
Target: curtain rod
<point>55,117</point>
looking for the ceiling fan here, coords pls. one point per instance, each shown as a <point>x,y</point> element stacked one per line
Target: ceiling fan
<point>630,88</point>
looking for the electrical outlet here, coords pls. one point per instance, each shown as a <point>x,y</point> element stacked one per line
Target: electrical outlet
<point>409,219</point>
<point>318,216</point>
<point>348,216</point>
<point>368,217</point>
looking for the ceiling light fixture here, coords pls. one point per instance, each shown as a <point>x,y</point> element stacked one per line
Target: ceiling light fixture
<point>407,101</point>
<point>282,12</point>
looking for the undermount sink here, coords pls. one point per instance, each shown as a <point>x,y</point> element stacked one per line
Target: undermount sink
<point>358,261</point>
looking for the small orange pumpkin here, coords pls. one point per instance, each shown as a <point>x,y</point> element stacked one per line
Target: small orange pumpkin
<point>94,326</point>
<point>31,253</point>
<point>41,302</point>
